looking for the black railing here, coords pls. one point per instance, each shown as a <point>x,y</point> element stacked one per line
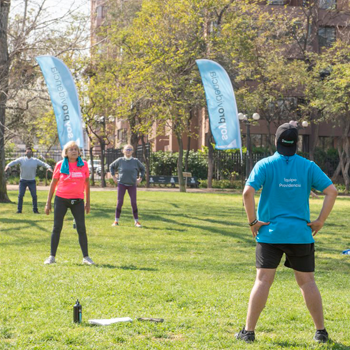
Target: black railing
<point>226,165</point>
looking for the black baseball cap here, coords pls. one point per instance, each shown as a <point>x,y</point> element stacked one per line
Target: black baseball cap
<point>287,139</point>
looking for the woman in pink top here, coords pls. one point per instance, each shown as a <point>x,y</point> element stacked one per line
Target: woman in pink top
<point>71,177</point>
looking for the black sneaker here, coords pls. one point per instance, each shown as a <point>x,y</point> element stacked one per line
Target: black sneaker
<point>36,212</point>
<point>321,336</point>
<point>247,336</point>
<point>18,212</point>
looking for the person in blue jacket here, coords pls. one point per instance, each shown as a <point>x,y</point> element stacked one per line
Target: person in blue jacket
<point>282,225</point>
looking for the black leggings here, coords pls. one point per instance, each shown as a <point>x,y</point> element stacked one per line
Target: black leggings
<point>60,209</point>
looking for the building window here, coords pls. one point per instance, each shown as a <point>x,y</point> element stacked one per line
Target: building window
<point>326,36</point>
<point>276,2</point>
<point>328,4</point>
<point>122,135</point>
<point>101,11</point>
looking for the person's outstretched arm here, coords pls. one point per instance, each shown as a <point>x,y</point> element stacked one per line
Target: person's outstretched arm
<point>14,162</point>
<point>330,195</point>
<point>41,163</point>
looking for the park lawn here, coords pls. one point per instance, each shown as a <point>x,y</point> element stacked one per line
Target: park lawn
<point>192,264</point>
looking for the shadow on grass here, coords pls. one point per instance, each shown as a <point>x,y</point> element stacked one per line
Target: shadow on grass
<point>227,231</point>
<point>337,346</point>
<point>329,345</point>
<point>164,229</point>
<point>122,267</point>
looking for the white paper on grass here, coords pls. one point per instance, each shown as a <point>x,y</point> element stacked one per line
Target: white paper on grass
<point>106,322</point>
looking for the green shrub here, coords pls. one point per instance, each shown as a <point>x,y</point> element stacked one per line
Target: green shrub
<point>197,165</point>
<point>13,180</point>
<point>223,184</point>
<point>163,163</point>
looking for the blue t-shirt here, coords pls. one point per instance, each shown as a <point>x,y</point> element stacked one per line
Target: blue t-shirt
<point>284,200</point>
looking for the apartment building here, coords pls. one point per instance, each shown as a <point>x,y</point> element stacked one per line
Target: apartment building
<point>330,20</point>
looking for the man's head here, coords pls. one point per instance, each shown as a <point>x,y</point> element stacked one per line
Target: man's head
<point>29,152</point>
<point>287,139</point>
<point>127,150</point>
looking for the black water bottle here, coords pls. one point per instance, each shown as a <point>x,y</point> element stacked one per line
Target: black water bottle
<point>77,312</point>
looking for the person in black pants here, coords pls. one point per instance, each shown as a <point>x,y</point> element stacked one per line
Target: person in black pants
<point>28,165</point>
<point>71,177</point>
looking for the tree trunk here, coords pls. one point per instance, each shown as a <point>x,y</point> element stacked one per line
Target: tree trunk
<point>4,80</point>
<point>268,138</point>
<point>346,176</point>
<point>344,155</point>
<point>134,136</point>
<point>92,165</point>
<point>146,159</point>
<point>210,160</point>
<point>179,164</point>
<point>188,140</point>
<point>103,179</point>
<point>313,145</point>
<point>187,152</point>
<point>91,156</point>
<point>336,172</point>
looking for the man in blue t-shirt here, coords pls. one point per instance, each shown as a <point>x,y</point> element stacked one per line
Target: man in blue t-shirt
<point>282,225</point>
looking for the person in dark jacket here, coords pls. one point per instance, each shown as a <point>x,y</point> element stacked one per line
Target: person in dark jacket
<point>130,173</point>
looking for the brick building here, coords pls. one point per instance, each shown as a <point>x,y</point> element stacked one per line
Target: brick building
<point>330,21</point>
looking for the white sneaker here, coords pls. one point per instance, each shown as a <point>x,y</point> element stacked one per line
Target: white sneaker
<point>50,260</point>
<point>88,261</point>
<point>115,223</point>
<point>137,224</point>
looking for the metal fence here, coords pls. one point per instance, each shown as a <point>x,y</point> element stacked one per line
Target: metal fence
<point>224,163</point>
<point>56,155</point>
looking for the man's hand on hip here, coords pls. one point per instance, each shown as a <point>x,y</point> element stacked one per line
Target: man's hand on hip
<point>255,229</point>
<point>315,226</point>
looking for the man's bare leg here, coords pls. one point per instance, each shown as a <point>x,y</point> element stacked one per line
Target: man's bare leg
<point>258,296</point>
<point>312,296</point>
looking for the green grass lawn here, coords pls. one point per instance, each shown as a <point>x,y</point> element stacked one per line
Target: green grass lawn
<point>192,264</point>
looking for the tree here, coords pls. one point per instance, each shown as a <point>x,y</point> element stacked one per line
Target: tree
<point>159,51</point>
<point>331,96</point>
<point>28,33</point>
<point>97,91</point>
<point>4,80</point>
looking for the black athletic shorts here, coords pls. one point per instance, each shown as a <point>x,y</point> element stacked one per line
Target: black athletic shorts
<point>299,257</point>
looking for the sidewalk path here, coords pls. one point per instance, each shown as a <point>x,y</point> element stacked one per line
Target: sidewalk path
<point>151,189</point>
